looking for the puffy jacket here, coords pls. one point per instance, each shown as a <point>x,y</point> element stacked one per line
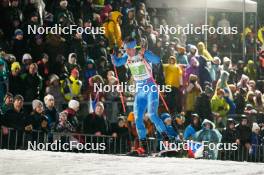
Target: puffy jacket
<point>113,30</point>
<point>173,75</point>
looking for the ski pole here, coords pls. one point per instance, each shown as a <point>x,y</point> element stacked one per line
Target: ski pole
<point>118,83</point>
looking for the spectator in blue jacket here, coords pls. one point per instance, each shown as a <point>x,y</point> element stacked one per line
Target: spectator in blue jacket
<point>192,128</point>
<point>166,118</point>
<point>255,140</point>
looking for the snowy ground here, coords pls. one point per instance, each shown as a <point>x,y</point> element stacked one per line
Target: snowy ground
<point>37,162</point>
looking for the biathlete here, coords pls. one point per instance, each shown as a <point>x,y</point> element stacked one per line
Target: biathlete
<point>147,92</point>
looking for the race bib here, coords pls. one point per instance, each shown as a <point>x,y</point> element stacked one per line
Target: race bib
<point>138,69</point>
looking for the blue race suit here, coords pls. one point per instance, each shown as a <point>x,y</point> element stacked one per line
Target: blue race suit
<point>147,95</point>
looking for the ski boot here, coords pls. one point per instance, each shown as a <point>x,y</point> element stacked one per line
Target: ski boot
<point>141,151</point>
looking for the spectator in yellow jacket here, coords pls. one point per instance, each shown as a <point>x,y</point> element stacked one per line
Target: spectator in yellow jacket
<point>172,73</point>
<point>113,30</point>
<point>173,77</point>
<point>219,106</point>
<point>204,52</point>
<point>71,86</point>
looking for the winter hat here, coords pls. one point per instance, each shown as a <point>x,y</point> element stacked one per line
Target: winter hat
<point>74,72</point>
<point>255,127</point>
<point>193,48</point>
<point>15,65</point>
<point>130,9</point>
<point>73,104</point>
<point>244,117</point>
<point>244,77</point>
<point>11,58</point>
<point>63,3</point>
<point>90,61</point>
<point>226,59</point>
<point>100,104</point>
<point>25,57</point>
<point>165,116</point>
<point>63,114</point>
<point>194,115</point>
<point>36,103</point>
<point>18,32</point>
<point>230,120</point>
<point>241,62</point>
<point>47,98</point>
<point>121,118</point>
<point>70,58</point>
<point>54,78</point>
<point>217,60</point>
<point>249,106</point>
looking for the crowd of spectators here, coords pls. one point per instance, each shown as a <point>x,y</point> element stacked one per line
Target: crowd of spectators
<point>208,88</point>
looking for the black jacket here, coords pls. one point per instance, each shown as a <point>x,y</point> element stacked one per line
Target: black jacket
<point>244,133</point>
<point>35,120</point>
<point>229,136</point>
<point>16,85</point>
<point>19,48</point>
<point>203,107</point>
<point>13,119</point>
<point>94,123</point>
<point>33,86</point>
<point>52,116</point>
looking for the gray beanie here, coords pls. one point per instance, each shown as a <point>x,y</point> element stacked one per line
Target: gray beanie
<point>36,103</point>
